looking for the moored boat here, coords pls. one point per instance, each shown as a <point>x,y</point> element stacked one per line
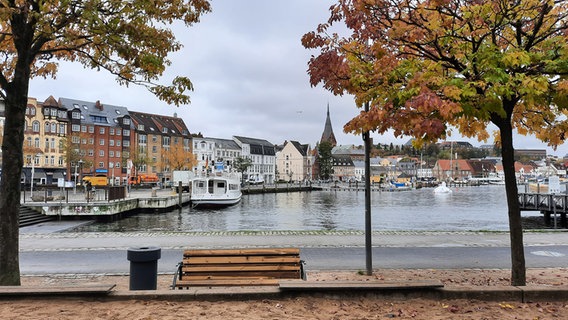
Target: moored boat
<point>218,189</point>
<point>442,189</point>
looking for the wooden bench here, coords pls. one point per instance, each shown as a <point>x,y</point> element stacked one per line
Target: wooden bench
<point>238,267</point>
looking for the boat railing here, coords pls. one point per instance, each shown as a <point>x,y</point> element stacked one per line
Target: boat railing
<point>220,174</point>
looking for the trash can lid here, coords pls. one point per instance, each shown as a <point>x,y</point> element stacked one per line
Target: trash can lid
<point>142,254</point>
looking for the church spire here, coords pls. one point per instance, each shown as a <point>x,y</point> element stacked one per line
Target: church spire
<point>327,134</point>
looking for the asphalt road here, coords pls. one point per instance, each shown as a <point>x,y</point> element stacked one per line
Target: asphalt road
<point>114,261</point>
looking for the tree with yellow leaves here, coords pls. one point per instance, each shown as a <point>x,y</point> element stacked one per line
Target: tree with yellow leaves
<point>130,39</point>
<point>425,67</point>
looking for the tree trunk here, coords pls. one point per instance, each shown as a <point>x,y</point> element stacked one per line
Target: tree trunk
<point>12,162</point>
<point>518,271</point>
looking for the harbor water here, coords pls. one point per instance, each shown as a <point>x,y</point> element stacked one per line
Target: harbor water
<point>465,209</point>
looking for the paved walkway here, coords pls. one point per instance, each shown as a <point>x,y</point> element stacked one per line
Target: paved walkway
<point>48,237</point>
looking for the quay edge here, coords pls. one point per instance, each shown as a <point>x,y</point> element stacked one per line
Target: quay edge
<point>109,208</point>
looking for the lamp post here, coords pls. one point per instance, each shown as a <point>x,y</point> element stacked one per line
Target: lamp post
<point>32,175</point>
<point>32,180</point>
<point>77,164</point>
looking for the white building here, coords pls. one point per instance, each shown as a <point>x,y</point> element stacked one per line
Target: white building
<point>294,162</point>
<point>204,151</point>
<point>263,156</point>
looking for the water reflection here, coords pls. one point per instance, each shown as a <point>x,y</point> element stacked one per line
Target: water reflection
<point>471,208</point>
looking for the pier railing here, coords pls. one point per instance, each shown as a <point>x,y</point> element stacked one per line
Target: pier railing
<point>544,202</point>
<point>550,205</point>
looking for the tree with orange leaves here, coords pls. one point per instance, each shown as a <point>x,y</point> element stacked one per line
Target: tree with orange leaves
<point>425,67</point>
<point>130,39</point>
<point>179,157</point>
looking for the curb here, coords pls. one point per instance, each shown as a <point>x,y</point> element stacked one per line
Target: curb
<point>484,293</point>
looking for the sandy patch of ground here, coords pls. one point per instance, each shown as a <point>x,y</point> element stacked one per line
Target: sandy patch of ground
<point>304,307</point>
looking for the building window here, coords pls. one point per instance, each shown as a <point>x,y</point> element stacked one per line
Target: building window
<point>126,121</point>
<point>111,132</point>
<point>35,126</point>
<point>126,133</point>
<point>76,115</point>
<point>102,130</point>
<point>111,143</point>
<point>101,164</point>
<point>36,142</point>
<point>102,142</point>
<point>101,153</point>
<point>91,129</point>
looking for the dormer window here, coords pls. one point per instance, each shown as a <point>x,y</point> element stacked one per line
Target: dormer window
<point>141,127</point>
<point>164,130</point>
<point>126,121</point>
<point>76,115</point>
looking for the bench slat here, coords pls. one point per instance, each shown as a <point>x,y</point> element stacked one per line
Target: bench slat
<point>241,259</point>
<point>237,267</point>
<point>227,282</point>
<point>225,275</point>
<point>242,252</point>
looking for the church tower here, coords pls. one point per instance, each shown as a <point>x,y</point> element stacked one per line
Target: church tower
<point>327,134</point>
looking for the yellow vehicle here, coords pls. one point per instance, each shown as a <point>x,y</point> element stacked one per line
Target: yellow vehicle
<point>97,181</point>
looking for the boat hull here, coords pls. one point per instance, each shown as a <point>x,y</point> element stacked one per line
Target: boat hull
<point>215,202</point>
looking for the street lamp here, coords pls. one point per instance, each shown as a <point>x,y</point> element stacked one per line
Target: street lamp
<point>32,175</point>
<point>77,164</point>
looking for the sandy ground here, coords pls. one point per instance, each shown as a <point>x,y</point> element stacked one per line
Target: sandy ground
<point>305,307</point>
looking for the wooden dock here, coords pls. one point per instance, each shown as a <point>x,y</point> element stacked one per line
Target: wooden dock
<point>550,205</point>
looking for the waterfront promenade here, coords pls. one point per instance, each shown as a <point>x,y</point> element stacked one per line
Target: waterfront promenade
<point>44,247</point>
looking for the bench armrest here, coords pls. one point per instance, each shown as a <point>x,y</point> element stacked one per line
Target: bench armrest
<point>303,270</point>
<point>176,275</point>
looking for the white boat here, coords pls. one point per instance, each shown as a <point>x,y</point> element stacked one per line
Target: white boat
<point>442,189</point>
<point>218,189</point>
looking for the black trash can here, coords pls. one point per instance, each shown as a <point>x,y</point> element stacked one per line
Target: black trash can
<point>144,267</point>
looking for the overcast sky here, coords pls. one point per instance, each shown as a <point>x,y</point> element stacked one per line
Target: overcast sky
<point>248,68</point>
